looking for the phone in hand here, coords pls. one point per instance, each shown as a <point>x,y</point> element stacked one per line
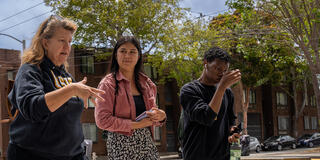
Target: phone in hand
<point>238,129</point>
<point>142,116</point>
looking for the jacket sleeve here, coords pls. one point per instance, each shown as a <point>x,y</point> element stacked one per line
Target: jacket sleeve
<point>103,112</point>
<point>194,106</point>
<point>28,94</point>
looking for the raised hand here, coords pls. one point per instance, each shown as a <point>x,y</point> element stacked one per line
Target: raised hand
<point>86,92</point>
<point>230,78</point>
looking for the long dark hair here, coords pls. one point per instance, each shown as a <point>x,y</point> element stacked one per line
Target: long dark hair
<point>115,65</point>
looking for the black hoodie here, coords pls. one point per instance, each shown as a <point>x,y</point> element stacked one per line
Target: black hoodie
<point>48,134</point>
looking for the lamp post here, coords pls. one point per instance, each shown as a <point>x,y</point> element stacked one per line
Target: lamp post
<point>23,41</point>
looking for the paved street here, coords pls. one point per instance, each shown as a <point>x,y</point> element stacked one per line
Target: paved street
<point>289,154</point>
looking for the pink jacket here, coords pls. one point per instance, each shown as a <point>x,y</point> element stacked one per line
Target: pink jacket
<point>125,110</point>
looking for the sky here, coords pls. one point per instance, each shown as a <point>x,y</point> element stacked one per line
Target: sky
<point>23,25</point>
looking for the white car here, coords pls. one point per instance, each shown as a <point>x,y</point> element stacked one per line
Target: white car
<point>255,144</point>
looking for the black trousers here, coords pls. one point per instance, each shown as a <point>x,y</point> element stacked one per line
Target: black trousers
<point>17,153</point>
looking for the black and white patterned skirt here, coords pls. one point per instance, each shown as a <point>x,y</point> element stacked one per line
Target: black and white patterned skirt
<point>135,147</point>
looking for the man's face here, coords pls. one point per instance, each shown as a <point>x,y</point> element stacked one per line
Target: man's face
<point>214,70</point>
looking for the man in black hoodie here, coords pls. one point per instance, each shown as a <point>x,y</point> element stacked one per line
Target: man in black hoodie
<point>208,109</point>
<point>49,101</point>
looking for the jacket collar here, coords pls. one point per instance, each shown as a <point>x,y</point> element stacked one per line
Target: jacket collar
<point>50,64</point>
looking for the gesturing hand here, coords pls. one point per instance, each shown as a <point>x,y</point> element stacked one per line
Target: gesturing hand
<point>230,78</point>
<point>86,92</point>
<point>156,115</point>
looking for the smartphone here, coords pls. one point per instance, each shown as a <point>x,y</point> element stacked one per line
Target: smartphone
<point>142,116</point>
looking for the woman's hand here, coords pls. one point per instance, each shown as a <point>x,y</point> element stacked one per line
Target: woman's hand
<point>86,92</point>
<point>156,115</point>
<point>146,122</point>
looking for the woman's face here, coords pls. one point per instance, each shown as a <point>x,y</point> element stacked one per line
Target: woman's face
<point>58,47</point>
<point>127,56</point>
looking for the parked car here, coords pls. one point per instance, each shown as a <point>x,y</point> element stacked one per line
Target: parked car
<point>313,140</point>
<point>279,142</point>
<point>249,144</point>
<point>255,144</point>
<point>301,139</point>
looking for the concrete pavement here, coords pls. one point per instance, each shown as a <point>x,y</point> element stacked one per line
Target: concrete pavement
<point>290,154</point>
<point>294,154</point>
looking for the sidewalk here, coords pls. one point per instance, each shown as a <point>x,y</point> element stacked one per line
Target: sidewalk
<point>297,154</point>
<point>169,155</point>
<point>301,154</point>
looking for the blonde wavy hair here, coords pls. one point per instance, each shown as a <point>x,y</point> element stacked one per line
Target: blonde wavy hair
<point>35,53</point>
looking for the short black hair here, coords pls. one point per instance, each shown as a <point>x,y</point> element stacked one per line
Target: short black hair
<point>216,52</point>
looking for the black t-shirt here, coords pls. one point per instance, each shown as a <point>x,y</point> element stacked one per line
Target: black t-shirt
<point>140,106</point>
<point>205,132</point>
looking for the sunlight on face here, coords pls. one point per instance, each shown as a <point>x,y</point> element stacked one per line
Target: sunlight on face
<point>59,46</point>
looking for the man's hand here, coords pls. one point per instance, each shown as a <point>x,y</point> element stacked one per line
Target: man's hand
<point>234,137</point>
<point>229,78</point>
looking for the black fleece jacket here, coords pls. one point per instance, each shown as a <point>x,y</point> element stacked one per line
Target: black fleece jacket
<point>48,134</point>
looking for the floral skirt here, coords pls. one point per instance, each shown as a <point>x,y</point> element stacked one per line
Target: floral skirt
<point>135,147</point>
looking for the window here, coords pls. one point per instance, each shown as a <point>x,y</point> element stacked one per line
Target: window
<point>252,99</point>
<point>157,133</point>
<point>10,75</point>
<point>313,122</point>
<point>150,71</point>
<point>87,64</point>
<point>283,123</point>
<point>90,104</point>
<point>90,131</point>
<point>313,101</point>
<point>306,122</point>
<point>281,100</point>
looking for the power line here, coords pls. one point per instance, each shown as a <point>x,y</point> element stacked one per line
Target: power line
<point>25,21</point>
<point>20,12</point>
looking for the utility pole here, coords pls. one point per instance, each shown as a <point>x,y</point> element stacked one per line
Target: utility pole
<point>23,41</point>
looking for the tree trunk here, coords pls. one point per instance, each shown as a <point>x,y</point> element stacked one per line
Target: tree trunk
<point>245,111</point>
<point>297,112</point>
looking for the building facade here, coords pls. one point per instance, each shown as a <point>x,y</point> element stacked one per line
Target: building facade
<point>9,65</point>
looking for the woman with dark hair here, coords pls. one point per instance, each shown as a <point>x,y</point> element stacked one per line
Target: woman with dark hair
<point>128,93</point>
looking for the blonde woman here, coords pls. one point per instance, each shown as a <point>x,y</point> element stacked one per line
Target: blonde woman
<point>48,99</point>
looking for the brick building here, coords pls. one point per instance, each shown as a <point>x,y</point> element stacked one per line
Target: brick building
<point>9,64</point>
<point>271,112</point>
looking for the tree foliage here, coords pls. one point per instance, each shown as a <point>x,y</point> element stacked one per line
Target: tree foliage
<point>102,22</point>
<point>181,53</point>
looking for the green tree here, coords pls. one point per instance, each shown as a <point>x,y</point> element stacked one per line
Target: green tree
<point>301,20</point>
<point>254,51</point>
<point>102,22</point>
<point>181,53</point>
